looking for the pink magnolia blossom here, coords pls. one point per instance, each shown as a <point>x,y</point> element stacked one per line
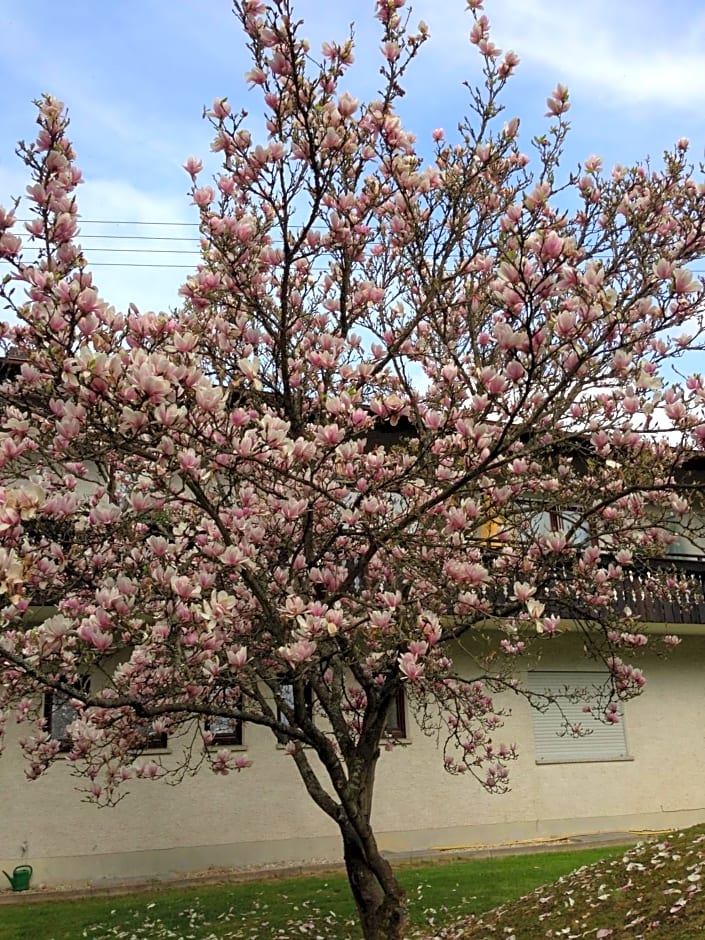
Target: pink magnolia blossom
<point>193,167</point>
<point>523,591</point>
<point>369,442</point>
<point>558,102</point>
<point>299,652</point>
<point>237,658</point>
<point>410,667</point>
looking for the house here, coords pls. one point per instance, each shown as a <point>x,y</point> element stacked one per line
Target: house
<point>643,773</point>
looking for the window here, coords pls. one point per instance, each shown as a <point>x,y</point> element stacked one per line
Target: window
<point>555,744</point>
<point>141,734</point>
<point>567,521</point>
<point>286,691</point>
<point>155,740</point>
<point>225,730</point>
<point>59,713</point>
<point>396,717</point>
<point>688,537</point>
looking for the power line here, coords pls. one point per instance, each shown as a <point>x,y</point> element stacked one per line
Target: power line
<point>185,267</point>
<point>127,264</point>
<point>124,222</point>
<point>136,251</point>
<point>154,238</point>
<point>146,238</point>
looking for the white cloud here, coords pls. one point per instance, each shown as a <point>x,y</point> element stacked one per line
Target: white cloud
<point>135,85</point>
<point>632,53</point>
<point>619,51</point>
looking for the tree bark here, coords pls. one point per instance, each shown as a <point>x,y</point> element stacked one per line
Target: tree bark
<point>380,899</point>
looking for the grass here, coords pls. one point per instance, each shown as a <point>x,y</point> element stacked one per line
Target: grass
<point>318,908</point>
<point>655,891</point>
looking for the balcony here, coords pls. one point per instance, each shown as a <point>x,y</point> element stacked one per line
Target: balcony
<point>667,590</point>
<point>682,600</point>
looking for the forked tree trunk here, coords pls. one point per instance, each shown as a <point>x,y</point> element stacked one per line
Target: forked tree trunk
<point>380,899</point>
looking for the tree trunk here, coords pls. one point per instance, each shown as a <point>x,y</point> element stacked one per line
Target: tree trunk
<point>379,898</point>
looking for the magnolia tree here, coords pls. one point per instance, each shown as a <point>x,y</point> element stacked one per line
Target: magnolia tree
<point>289,499</point>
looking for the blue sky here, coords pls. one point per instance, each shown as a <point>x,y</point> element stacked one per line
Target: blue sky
<point>137,73</point>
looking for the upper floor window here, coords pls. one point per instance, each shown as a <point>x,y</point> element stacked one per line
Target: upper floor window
<point>569,522</point>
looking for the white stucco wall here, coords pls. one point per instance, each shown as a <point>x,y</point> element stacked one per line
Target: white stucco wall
<point>264,814</point>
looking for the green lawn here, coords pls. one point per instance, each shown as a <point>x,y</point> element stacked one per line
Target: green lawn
<point>314,907</point>
<point>655,890</point>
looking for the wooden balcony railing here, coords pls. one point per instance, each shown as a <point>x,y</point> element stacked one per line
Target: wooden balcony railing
<point>663,590</point>
<point>670,590</point>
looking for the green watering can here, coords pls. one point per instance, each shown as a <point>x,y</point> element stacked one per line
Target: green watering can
<point>20,877</point>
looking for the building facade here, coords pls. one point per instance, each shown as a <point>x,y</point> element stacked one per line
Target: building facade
<point>643,773</point>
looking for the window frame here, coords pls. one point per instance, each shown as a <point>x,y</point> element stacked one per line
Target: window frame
<point>395,724</point>
<point>231,738</point>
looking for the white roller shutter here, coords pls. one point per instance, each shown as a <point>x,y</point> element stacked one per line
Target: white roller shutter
<point>557,745</point>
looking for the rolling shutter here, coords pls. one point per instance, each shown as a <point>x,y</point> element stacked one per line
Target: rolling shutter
<point>557,745</point>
